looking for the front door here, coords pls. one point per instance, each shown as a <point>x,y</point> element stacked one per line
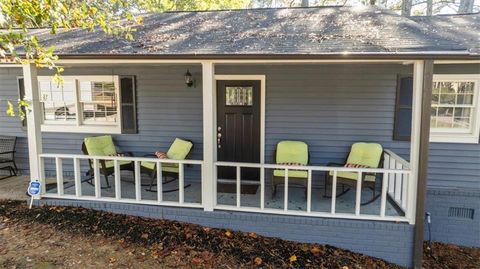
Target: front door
<point>238,126</point>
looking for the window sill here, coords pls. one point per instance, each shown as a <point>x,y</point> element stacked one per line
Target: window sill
<point>88,129</point>
<point>454,138</point>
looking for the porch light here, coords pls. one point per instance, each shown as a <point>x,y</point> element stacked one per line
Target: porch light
<point>189,79</point>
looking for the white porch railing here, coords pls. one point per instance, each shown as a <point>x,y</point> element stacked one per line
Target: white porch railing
<point>77,173</point>
<point>397,175</point>
<point>397,183</point>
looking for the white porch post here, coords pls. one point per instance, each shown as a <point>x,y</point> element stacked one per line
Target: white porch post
<point>33,122</point>
<point>415,138</point>
<point>209,144</point>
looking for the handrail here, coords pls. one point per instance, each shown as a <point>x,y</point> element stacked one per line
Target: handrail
<point>317,168</point>
<point>118,158</point>
<point>399,159</point>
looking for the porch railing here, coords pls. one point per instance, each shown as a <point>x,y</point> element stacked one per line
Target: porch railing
<point>398,175</point>
<point>394,177</point>
<point>77,174</point>
<point>397,183</point>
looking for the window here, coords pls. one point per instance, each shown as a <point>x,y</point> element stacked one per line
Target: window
<point>455,109</point>
<point>86,104</point>
<point>239,96</point>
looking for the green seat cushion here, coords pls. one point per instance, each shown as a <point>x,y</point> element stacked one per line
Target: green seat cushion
<point>110,164</point>
<point>353,176</point>
<point>166,167</point>
<point>179,149</point>
<point>295,152</point>
<point>291,173</point>
<point>100,145</point>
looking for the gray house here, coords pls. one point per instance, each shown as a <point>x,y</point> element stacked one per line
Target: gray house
<point>267,97</point>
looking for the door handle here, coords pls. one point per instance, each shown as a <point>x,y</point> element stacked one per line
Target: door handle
<point>219,136</point>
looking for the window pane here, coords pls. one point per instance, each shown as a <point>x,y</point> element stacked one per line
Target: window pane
<point>239,96</point>
<point>447,99</point>
<point>465,99</point>
<point>99,102</point>
<point>461,123</point>
<point>445,117</point>
<point>58,100</point>
<point>466,87</point>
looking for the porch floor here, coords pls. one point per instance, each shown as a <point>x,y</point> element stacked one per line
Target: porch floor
<point>192,194</point>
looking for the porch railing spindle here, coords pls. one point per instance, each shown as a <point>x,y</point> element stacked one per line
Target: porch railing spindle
<point>159,182</point>
<point>309,191</point>
<point>359,194</point>
<point>383,200</point>
<point>398,182</point>
<point>334,191</point>
<point>391,183</point>
<point>238,186</point>
<point>285,201</point>
<point>404,190</point>
<point>138,182</point>
<point>77,176</point>
<point>96,178</point>
<point>262,188</point>
<point>118,184</point>
<point>181,183</point>
<point>59,169</point>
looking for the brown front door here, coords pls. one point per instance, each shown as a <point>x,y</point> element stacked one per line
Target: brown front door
<point>238,126</point>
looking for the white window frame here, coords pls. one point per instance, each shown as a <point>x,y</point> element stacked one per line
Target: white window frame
<point>78,126</point>
<point>471,136</point>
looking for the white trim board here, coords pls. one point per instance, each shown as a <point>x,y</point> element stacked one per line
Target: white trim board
<point>263,86</point>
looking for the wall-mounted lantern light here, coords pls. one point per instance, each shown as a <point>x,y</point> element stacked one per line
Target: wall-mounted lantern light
<point>189,79</point>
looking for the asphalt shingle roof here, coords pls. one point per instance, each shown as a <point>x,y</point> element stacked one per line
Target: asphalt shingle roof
<point>289,31</point>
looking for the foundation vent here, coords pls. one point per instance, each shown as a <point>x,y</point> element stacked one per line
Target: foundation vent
<point>461,212</point>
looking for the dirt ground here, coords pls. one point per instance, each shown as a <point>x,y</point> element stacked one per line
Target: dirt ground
<point>63,237</point>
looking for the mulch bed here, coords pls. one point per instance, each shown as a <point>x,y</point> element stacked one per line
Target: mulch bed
<point>247,249</point>
<point>447,256</point>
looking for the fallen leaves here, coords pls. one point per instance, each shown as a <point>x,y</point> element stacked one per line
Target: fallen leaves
<point>187,245</point>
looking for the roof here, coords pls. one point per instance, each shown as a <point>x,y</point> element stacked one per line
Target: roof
<point>285,31</point>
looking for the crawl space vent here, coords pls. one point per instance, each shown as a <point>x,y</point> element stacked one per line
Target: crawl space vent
<point>461,212</point>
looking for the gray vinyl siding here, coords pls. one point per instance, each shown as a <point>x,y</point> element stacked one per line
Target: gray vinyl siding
<point>166,109</point>
<point>10,125</point>
<point>328,106</point>
<point>455,165</point>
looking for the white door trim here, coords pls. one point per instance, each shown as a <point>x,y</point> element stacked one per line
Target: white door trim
<point>262,79</point>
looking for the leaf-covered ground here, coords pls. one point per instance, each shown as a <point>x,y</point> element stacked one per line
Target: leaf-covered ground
<point>51,237</point>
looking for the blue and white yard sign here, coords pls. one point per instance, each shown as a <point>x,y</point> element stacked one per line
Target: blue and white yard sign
<point>33,189</point>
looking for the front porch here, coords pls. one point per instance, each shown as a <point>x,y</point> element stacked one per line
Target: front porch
<point>328,105</point>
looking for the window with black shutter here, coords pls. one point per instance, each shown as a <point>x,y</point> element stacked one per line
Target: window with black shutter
<point>403,108</point>
<point>128,104</point>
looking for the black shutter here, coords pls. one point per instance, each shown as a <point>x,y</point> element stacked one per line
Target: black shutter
<point>21,96</point>
<point>128,104</point>
<point>403,108</point>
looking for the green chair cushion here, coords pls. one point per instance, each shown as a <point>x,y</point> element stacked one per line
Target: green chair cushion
<point>368,154</point>
<point>291,173</point>
<point>292,152</point>
<point>179,149</point>
<point>110,164</point>
<point>100,145</point>
<point>353,176</point>
<point>166,167</point>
